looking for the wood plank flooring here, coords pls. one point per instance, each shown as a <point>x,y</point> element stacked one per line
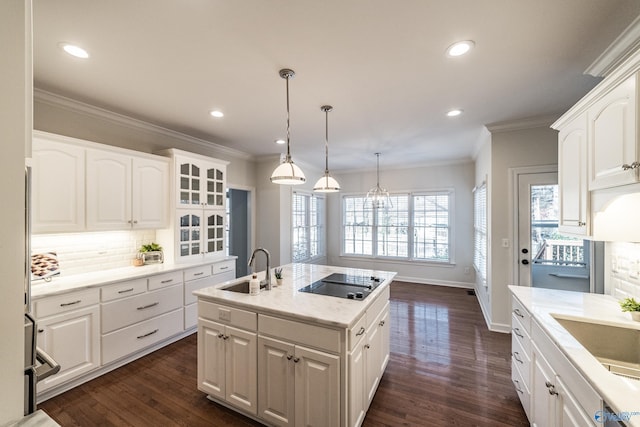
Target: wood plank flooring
<point>445,369</point>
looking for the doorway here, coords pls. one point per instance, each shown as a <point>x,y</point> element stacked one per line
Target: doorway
<point>239,229</point>
<point>546,258</point>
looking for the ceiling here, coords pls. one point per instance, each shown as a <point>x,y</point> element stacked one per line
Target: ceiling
<point>381,64</point>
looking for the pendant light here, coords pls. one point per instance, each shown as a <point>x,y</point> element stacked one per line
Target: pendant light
<point>326,183</point>
<point>378,197</point>
<point>287,172</point>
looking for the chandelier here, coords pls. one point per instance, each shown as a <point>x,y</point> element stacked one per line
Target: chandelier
<point>378,197</point>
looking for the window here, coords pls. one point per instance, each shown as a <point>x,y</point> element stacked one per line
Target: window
<point>308,236</point>
<point>417,227</point>
<point>480,232</point>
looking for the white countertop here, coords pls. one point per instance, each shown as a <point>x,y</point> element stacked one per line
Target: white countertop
<point>62,284</point>
<point>622,394</point>
<point>285,300</point>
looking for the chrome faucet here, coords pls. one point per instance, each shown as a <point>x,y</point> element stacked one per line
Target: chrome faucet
<point>267,281</point>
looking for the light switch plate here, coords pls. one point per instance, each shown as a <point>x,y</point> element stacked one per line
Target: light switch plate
<point>224,314</point>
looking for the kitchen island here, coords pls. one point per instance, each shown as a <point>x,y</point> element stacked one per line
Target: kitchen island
<point>286,357</point>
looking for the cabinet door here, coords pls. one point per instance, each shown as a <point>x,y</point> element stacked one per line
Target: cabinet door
<point>57,185</point>
<point>373,358</point>
<point>276,381</point>
<point>211,358</point>
<point>150,189</point>
<point>543,401</point>
<point>73,340</point>
<point>213,233</point>
<point>189,227</point>
<point>572,177</point>
<point>612,129</point>
<point>108,191</point>
<point>213,191</point>
<point>317,384</point>
<point>571,414</point>
<point>241,369</point>
<point>357,394</point>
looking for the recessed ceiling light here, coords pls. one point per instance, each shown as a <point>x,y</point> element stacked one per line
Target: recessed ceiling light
<point>280,141</point>
<point>74,50</point>
<point>454,113</point>
<point>460,48</point>
<point>216,113</point>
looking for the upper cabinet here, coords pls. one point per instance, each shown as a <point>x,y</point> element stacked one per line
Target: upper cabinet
<point>572,177</point>
<point>57,186</point>
<point>83,186</point>
<point>200,183</point>
<point>613,140</point>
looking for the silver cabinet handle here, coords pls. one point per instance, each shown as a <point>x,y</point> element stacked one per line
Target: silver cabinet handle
<point>367,346</point>
<point>360,332</point>
<point>167,281</point>
<point>517,332</point>
<point>296,359</point>
<point>517,383</point>
<point>199,274</point>
<point>124,291</point>
<point>148,306</point>
<point>66,304</point>
<point>518,313</point>
<point>220,335</point>
<point>224,268</point>
<point>289,357</point>
<point>226,337</point>
<point>147,334</point>
<point>381,323</point>
<point>633,165</point>
<point>515,355</point>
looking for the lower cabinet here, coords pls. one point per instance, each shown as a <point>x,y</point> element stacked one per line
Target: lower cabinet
<point>297,385</point>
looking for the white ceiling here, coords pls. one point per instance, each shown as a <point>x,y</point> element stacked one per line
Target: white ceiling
<point>381,64</point>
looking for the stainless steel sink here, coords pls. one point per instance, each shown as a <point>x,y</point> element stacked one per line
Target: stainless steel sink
<point>241,287</point>
<point>616,347</point>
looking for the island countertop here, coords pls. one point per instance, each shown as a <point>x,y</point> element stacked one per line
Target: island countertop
<point>286,300</point>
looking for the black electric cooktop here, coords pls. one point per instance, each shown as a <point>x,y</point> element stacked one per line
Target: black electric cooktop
<point>344,286</point>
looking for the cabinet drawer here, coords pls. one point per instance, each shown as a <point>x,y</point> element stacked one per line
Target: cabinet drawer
<point>519,333</point>
<point>523,315</point>
<point>521,388</point>
<point>197,272</point>
<point>194,285</point>
<point>228,315</point>
<point>164,280</point>
<point>377,306</point>
<point>62,303</point>
<point>357,332</point>
<point>223,267</point>
<point>300,333</point>
<point>123,289</point>
<point>144,334</point>
<point>190,316</point>
<point>521,358</point>
<point>128,311</point>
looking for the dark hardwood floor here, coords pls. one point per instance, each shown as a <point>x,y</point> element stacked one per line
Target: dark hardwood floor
<point>446,369</point>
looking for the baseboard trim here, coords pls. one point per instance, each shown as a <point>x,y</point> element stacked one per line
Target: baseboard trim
<point>449,283</point>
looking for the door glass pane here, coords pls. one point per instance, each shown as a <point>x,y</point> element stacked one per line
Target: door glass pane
<point>195,248</point>
<point>184,250</point>
<point>219,175</point>
<point>184,221</point>
<point>184,235</point>
<point>195,170</point>
<point>184,183</point>
<point>195,220</point>
<point>195,184</point>
<point>195,234</point>
<point>184,169</point>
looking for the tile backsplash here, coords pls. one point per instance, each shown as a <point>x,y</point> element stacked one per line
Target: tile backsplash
<point>87,252</point>
<point>623,261</point>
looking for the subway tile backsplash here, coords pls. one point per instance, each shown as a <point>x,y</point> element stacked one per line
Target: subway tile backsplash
<point>624,269</point>
<point>88,252</point>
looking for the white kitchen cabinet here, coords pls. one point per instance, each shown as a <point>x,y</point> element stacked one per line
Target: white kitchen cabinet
<point>229,371</point>
<point>69,331</point>
<point>614,145</point>
<point>297,385</point>
<point>125,192</point>
<point>572,178</point>
<point>201,277</point>
<point>377,352</point>
<point>521,354</point>
<point>199,234</point>
<point>57,185</point>
<point>199,182</point>
<point>544,401</point>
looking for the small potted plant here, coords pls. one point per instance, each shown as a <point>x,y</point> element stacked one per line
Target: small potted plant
<point>151,254</point>
<point>632,306</point>
<point>278,274</point>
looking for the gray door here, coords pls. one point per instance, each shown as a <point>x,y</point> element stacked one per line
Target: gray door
<point>239,228</point>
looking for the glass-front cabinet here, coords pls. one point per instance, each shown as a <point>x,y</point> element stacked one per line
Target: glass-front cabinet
<point>200,233</point>
<point>200,183</point>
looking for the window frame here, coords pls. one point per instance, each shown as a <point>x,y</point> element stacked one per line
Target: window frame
<point>320,225</point>
<point>482,273</point>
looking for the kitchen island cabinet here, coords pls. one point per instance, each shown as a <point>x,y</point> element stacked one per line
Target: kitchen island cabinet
<point>320,358</point>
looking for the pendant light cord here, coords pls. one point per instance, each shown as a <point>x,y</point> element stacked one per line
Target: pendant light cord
<point>326,141</point>
<point>288,119</point>
<point>378,170</point>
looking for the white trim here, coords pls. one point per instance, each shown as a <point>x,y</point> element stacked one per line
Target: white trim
<point>69,104</point>
<point>522,124</point>
<point>617,52</point>
<point>435,282</point>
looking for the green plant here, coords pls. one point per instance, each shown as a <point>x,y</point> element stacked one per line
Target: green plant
<point>151,247</point>
<point>278,273</point>
<point>630,304</point>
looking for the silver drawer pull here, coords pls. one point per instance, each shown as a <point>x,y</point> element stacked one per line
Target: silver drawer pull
<point>147,334</point>
<point>360,332</point>
<point>517,383</point>
<point>517,332</point>
<point>224,268</point>
<point>66,304</point>
<point>167,281</point>
<point>148,306</point>
<point>124,291</point>
<point>515,355</point>
<point>518,313</point>
<point>199,274</point>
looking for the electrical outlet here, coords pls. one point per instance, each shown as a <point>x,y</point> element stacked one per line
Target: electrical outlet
<point>224,314</point>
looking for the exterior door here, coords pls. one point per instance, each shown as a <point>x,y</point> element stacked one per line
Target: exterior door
<point>546,258</point>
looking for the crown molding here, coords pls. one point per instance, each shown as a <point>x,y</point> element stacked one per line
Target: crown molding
<point>89,110</point>
<point>522,124</point>
<point>391,168</point>
<point>617,52</point>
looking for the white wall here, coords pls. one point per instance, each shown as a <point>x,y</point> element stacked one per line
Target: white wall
<point>459,177</point>
<point>15,134</point>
